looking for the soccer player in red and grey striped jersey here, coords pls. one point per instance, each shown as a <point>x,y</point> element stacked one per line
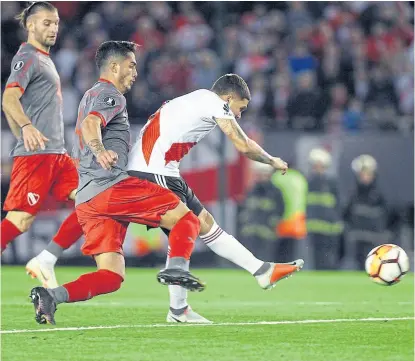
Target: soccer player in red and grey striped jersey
<point>32,103</point>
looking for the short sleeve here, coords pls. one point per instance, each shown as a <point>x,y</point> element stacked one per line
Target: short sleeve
<point>107,105</point>
<point>23,71</point>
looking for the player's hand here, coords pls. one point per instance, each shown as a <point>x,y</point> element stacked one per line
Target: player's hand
<point>107,158</point>
<point>33,139</point>
<point>278,163</point>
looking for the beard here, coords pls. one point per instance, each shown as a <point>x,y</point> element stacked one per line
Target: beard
<point>46,41</point>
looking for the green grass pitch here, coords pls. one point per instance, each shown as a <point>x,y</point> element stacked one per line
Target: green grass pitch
<point>231,296</point>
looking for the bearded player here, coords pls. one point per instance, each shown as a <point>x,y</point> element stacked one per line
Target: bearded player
<point>32,103</point>
<point>108,199</point>
<point>167,137</point>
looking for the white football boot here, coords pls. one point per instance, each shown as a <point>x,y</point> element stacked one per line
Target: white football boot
<point>43,271</point>
<point>277,272</point>
<point>188,316</point>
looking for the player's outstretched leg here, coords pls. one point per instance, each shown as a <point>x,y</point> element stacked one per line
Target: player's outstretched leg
<point>42,266</point>
<point>223,244</point>
<point>84,288</point>
<point>181,241</point>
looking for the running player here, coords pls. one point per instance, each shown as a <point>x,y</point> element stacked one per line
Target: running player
<point>32,103</point>
<point>108,199</point>
<point>167,137</point>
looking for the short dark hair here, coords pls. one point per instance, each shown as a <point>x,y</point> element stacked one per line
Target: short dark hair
<point>112,48</point>
<point>231,83</point>
<point>32,9</point>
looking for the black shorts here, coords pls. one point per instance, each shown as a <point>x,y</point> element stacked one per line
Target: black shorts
<point>177,185</point>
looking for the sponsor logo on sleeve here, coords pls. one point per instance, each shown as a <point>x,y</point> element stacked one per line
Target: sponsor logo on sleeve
<point>227,110</point>
<point>18,65</point>
<point>110,101</point>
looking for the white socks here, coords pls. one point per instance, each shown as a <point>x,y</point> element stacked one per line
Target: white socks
<point>178,294</point>
<point>47,257</point>
<point>225,246</point>
<point>228,247</point>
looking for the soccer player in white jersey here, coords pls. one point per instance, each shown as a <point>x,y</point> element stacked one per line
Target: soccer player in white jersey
<point>167,137</point>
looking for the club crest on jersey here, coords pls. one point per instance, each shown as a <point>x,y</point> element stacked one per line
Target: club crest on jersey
<point>227,109</point>
<point>32,198</point>
<point>18,65</point>
<point>109,101</point>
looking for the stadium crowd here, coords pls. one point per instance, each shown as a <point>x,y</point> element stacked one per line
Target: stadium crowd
<point>316,66</point>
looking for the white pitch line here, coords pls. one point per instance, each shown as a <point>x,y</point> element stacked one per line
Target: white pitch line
<point>161,325</point>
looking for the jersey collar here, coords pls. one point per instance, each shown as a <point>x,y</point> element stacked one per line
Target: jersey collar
<point>38,50</point>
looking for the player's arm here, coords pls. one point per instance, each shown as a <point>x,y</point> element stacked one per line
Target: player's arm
<point>247,146</point>
<point>19,122</point>
<point>91,134</point>
<point>12,124</point>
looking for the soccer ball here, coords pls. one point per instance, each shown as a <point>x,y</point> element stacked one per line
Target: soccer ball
<point>387,264</point>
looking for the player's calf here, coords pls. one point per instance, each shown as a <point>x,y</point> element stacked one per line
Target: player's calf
<point>13,226</point>
<point>181,241</point>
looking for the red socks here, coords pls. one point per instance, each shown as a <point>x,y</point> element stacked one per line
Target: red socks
<point>183,235</point>
<point>8,233</point>
<point>93,284</point>
<point>69,232</point>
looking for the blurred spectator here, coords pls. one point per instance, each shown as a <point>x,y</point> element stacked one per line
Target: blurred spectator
<point>260,213</point>
<point>280,93</point>
<point>253,61</point>
<point>292,228</point>
<point>324,224</point>
<point>71,98</point>
<point>146,32</point>
<point>67,57</point>
<point>353,117</point>
<point>382,102</point>
<point>143,103</point>
<point>205,70</point>
<point>195,34</point>
<point>305,104</point>
<point>301,60</point>
<point>298,15</point>
<point>366,215</point>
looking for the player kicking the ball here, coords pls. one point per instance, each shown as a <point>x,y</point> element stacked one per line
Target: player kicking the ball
<point>167,137</point>
<point>32,103</point>
<point>108,199</point>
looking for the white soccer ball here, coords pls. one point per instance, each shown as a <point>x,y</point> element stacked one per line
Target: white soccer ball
<point>387,264</point>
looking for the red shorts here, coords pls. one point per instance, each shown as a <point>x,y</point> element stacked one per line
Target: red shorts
<point>105,218</point>
<point>35,176</point>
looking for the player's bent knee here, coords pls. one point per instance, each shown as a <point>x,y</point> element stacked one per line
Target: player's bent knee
<point>72,195</point>
<point>111,261</point>
<point>206,222</point>
<point>171,217</point>
<point>22,220</point>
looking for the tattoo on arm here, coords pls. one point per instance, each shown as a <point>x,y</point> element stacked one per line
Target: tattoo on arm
<point>257,153</point>
<point>249,148</point>
<point>262,157</point>
<point>236,129</point>
<point>96,146</point>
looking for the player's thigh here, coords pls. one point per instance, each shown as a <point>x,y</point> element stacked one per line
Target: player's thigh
<point>103,234</point>
<point>111,261</point>
<point>31,180</point>
<point>139,201</point>
<point>65,180</point>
